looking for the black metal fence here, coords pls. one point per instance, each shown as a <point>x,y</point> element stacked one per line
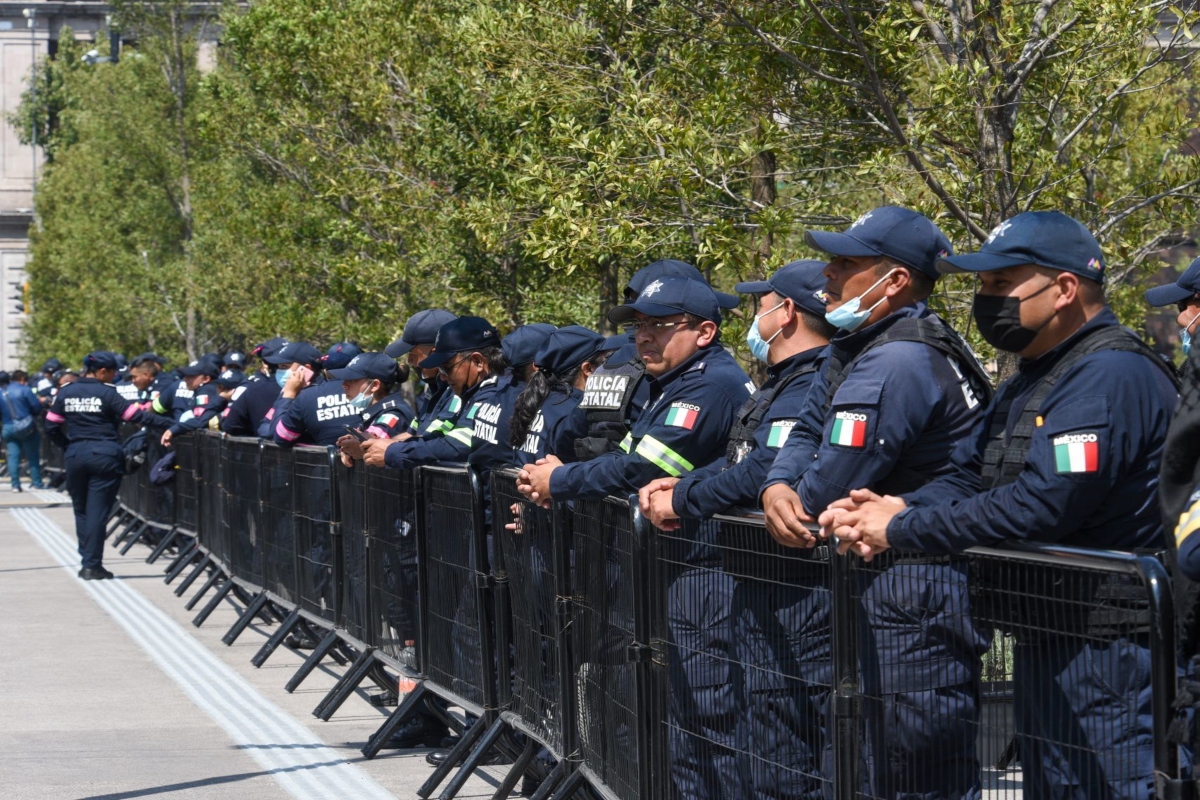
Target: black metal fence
<point>708,662</point>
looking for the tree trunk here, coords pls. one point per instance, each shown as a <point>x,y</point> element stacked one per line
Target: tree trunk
<point>763,194</point>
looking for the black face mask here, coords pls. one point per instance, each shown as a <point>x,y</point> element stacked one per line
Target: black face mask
<point>999,321</point>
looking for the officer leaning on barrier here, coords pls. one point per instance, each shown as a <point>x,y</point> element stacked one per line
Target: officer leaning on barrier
<point>207,402</point>
<point>371,381</point>
<point>85,419</point>
<point>899,390</point>
<point>228,382</point>
<point>547,418</point>
<point>521,345</point>
<point>437,404</point>
<point>311,409</point>
<point>1068,452</point>
<point>143,372</point>
<point>252,401</point>
<point>617,391</point>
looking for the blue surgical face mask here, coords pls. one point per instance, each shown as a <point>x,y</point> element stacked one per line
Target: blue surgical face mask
<point>1185,335</point>
<point>847,317</point>
<point>362,401</point>
<point>759,347</point>
<point>281,376</point>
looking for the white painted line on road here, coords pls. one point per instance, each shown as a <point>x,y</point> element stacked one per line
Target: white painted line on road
<point>51,496</point>
<point>300,762</point>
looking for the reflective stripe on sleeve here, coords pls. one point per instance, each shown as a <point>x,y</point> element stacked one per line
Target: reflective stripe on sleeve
<point>671,462</point>
<point>628,440</point>
<point>285,433</point>
<point>464,435</point>
<point>158,407</point>
<point>55,418</point>
<point>130,412</point>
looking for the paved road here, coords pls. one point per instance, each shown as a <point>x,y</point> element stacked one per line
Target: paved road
<point>109,692</point>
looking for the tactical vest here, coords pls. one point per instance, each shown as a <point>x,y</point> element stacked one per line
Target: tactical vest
<point>750,415</point>
<point>1037,603</point>
<point>934,333</point>
<point>607,397</point>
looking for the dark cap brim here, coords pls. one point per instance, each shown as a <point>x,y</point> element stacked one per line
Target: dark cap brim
<point>436,359</point>
<point>839,244</point>
<point>726,300</point>
<point>346,374</point>
<point>1168,295</point>
<point>398,348</point>
<point>627,312</point>
<point>753,287</point>
<point>979,262</point>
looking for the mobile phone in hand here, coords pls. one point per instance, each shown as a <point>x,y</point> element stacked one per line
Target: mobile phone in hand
<point>356,433</point>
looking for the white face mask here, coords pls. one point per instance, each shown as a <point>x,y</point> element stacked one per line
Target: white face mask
<point>847,317</point>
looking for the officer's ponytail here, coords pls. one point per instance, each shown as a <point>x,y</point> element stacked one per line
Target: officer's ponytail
<point>531,399</point>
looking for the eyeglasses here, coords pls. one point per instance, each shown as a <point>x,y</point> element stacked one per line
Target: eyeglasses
<point>444,369</point>
<point>652,325</point>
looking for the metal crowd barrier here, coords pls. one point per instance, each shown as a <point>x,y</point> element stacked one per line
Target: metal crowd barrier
<point>706,662</point>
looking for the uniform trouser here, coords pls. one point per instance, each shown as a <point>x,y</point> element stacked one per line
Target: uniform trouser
<point>704,680</point>
<point>31,447</point>
<point>93,480</point>
<point>1083,718</point>
<point>782,637</point>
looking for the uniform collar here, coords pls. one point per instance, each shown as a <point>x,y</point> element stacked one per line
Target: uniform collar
<point>696,361</point>
<point>795,362</point>
<point>853,342</point>
<point>383,405</point>
<point>1104,319</point>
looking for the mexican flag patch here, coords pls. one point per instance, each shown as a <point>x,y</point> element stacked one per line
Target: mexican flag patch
<point>683,415</point>
<point>471,411</point>
<point>779,432</point>
<point>849,429</point>
<point>1076,452</point>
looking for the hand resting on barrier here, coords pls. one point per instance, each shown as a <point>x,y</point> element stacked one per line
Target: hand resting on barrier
<point>657,502</point>
<point>517,526</point>
<point>374,450</point>
<point>351,448</point>
<point>785,517</point>
<point>533,480</point>
<point>860,522</point>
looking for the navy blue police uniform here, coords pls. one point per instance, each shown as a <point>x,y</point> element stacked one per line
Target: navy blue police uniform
<point>893,401</point>
<point>683,427</point>
<point>207,402</point>
<point>318,414</point>
<point>560,422</point>
<point>85,419</point>
<point>1068,452</point>
<point>252,401</point>
<point>436,404</point>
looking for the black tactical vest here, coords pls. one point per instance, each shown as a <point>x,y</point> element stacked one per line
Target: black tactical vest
<point>607,397</point>
<point>750,415</point>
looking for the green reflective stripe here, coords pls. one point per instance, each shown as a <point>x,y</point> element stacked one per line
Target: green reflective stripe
<point>628,440</point>
<point>412,426</point>
<point>440,426</point>
<point>158,407</point>
<point>463,435</point>
<point>671,462</point>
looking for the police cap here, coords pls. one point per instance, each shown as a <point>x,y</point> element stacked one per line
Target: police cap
<point>339,355</point>
<point>802,282</point>
<point>234,359</point>
<point>231,378</point>
<point>52,365</point>
<point>901,234</point>
<point>522,344</point>
<point>99,359</point>
<point>567,348</point>
<point>421,328</point>
<point>295,353</point>
<point>205,365</point>
<point>270,348</point>
<point>146,358</point>
<point>1048,239</point>
<point>1187,286</point>
<point>669,296</point>
<point>461,335</point>
<point>670,268</point>
<point>373,366</point>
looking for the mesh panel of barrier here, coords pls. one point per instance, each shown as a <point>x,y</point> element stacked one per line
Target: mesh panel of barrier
<point>158,500</point>
<point>211,529</point>
<point>312,507</point>
<point>186,503</point>
<point>452,618</point>
<point>275,522</point>
<point>240,474</point>
<point>603,631</point>
<point>352,520</point>
<point>53,456</point>
<point>391,516</point>
<point>530,555</point>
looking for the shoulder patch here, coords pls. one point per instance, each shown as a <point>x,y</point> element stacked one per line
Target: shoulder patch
<point>1076,452</point>
<point>454,405</point>
<point>779,432</point>
<point>683,415</point>
<point>849,429</point>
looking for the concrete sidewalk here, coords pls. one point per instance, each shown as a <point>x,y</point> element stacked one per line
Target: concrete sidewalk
<point>110,692</point>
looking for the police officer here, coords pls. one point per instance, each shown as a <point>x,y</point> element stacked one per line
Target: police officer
<point>234,359</point>
<point>618,392</point>
<point>46,383</point>
<point>1185,295</point>
<point>1069,452</point>
<point>84,419</point>
<point>371,381</point>
<point>899,390</point>
<point>207,402</point>
<point>695,389</point>
<point>228,383</point>
<point>143,372</point>
<point>547,418</point>
<point>437,404</point>
<point>521,345</point>
<point>310,409</point>
<point>252,401</point>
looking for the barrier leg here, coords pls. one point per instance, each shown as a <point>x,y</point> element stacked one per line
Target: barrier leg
<point>245,619</point>
<point>272,644</point>
<point>568,789</point>
<point>465,744</point>
<point>314,658</point>
<point>394,721</point>
<point>163,544</point>
<point>345,687</point>
<point>212,604</point>
<point>137,537</point>
<point>514,774</point>
<point>208,584</point>
<point>135,524</point>
<point>473,761</point>
<point>195,573</point>
<point>117,522</point>
<point>186,555</point>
